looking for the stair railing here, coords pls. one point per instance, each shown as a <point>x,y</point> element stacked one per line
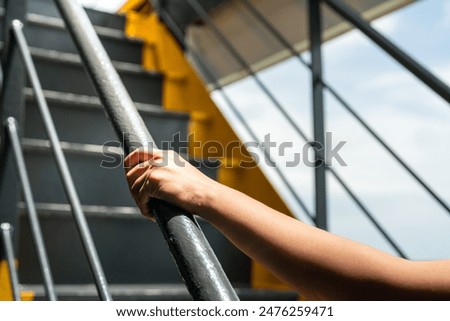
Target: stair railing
<point>17,41</point>
<point>196,261</point>
<point>13,140</point>
<point>176,31</point>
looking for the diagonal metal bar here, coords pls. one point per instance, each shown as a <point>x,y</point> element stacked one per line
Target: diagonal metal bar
<point>176,31</point>
<point>6,230</point>
<point>63,168</point>
<point>196,261</point>
<point>346,105</point>
<point>395,52</point>
<point>36,232</point>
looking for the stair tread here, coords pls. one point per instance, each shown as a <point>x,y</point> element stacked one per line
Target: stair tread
<point>79,100</point>
<point>58,23</point>
<point>43,145</point>
<point>91,12</point>
<point>50,209</point>
<point>103,211</point>
<point>157,291</point>
<point>71,58</point>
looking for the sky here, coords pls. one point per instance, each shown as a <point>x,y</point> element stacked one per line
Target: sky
<point>411,118</point>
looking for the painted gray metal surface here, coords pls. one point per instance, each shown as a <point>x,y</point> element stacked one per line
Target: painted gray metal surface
<point>315,40</point>
<point>162,292</point>
<point>70,116</point>
<point>65,73</point>
<point>98,18</point>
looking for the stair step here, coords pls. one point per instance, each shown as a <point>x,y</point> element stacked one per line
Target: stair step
<point>50,33</point>
<point>98,18</point>
<point>72,112</point>
<point>95,184</point>
<point>64,72</point>
<point>153,292</point>
<point>131,248</point>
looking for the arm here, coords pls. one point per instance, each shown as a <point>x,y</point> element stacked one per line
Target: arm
<point>316,263</point>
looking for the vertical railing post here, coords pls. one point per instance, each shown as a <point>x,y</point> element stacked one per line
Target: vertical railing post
<point>11,105</point>
<point>315,33</point>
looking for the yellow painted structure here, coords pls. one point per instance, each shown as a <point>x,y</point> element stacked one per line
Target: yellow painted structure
<point>184,91</point>
<point>5,286</point>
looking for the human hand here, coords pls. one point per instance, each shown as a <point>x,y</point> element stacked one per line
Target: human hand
<point>167,176</point>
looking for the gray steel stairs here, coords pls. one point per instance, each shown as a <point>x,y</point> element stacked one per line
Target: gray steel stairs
<point>134,255</point>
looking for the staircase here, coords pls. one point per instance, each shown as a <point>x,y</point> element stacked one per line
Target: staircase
<point>133,253</point>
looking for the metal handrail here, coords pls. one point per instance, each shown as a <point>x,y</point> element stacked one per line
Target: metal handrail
<point>180,37</point>
<point>63,168</point>
<point>36,233</point>
<point>197,263</point>
<point>345,104</point>
<point>400,56</point>
<point>176,31</point>
<point>6,231</point>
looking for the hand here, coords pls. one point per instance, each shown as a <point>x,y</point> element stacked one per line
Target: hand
<point>167,176</point>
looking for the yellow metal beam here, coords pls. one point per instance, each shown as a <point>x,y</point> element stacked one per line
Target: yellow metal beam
<point>5,285</point>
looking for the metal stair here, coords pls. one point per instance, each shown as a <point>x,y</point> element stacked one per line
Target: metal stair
<point>132,250</point>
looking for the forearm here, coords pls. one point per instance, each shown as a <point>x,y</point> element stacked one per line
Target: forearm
<point>316,263</point>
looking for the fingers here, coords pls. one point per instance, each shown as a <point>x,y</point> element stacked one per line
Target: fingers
<point>139,156</point>
<point>134,173</point>
<point>137,178</point>
<point>143,199</point>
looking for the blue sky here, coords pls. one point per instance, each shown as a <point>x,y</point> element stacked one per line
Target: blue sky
<point>414,121</point>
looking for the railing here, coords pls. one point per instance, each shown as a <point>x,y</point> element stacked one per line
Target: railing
<point>318,84</point>
<point>14,141</point>
<point>202,272</point>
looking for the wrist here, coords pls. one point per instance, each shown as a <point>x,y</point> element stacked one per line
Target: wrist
<point>207,196</point>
